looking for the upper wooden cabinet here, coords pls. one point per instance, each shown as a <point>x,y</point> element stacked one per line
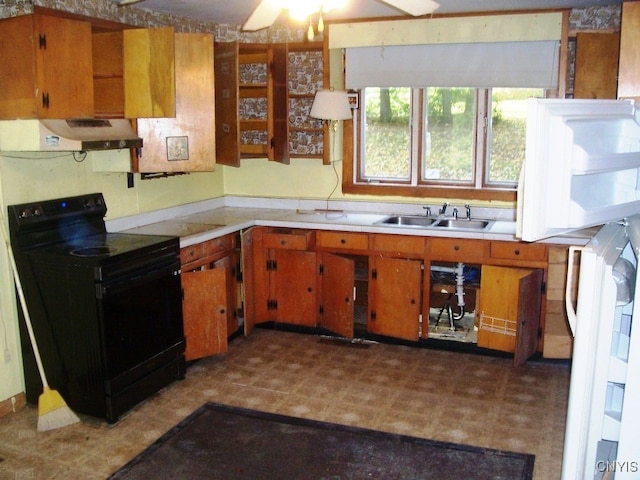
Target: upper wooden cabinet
<point>264,93</point>
<point>596,70</point>
<point>629,67</point>
<point>46,68</point>
<point>187,142</point>
<point>249,81</point>
<point>59,66</point>
<point>134,73</point>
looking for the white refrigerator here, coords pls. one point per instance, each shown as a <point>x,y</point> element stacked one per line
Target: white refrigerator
<point>582,169</point>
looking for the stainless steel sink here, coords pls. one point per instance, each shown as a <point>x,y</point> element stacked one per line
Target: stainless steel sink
<point>455,224</point>
<point>407,221</point>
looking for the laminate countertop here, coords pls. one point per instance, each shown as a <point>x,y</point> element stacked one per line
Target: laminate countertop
<point>205,224</point>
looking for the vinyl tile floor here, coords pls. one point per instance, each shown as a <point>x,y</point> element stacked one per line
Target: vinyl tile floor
<point>431,393</point>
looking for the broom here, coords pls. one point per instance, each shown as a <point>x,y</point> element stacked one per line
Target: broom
<point>53,412</point>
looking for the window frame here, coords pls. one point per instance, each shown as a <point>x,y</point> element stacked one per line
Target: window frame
<point>416,188</point>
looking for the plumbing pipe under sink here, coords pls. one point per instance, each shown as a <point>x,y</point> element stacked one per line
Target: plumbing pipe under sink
<point>459,272</point>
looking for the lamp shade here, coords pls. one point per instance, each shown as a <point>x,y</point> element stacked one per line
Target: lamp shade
<point>331,105</point>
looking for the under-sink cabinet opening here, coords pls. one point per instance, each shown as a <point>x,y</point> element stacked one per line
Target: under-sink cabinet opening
<point>394,288</point>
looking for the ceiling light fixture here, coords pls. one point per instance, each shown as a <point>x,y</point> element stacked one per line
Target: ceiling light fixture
<point>300,11</point>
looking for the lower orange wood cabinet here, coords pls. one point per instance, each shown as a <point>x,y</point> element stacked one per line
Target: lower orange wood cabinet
<point>509,310</point>
<point>209,286</point>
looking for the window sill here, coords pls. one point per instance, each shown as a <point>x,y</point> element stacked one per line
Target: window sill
<point>463,193</point>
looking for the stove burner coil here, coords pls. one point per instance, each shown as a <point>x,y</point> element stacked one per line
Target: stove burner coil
<point>100,251</point>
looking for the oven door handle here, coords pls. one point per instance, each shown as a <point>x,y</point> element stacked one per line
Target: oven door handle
<point>105,289</point>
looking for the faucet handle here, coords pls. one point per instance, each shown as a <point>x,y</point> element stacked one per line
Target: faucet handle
<point>444,208</point>
<point>427,209</point>
<point>455,213</point>
<point>468,209</point>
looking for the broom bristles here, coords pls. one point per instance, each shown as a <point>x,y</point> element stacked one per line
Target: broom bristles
<point>53,412</point>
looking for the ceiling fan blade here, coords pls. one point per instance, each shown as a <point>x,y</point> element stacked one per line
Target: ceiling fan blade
<point>263,16</point>
<point>122,3</point>
<point>414,7</point>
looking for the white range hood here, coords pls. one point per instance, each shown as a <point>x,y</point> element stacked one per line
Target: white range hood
<point>67,135</point>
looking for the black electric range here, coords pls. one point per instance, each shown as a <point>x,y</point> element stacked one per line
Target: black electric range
<point>106,308</point>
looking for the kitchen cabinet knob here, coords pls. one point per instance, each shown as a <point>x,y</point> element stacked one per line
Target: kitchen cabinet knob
<point>413,301</point>
<point>343,241</point>
<point>283,242</point>
<point>309,289</point>
<point>517,252</point>
<point>222,311</point>
<point>456,247</point>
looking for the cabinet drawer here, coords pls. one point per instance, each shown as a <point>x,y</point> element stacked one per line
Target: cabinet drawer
<point>351,241</point>
<point>218,245</point>
<point>518,251</point>
<point>398,244</point>
<point>457,249</point>
<point>207,249</point>
<point>191,253</point>
<point>290,239</point>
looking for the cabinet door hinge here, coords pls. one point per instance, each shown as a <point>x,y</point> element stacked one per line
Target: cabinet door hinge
<point>272,265</point>
<point>373,315</point>
<point>321,309</point>
<point>321,269</point>
<point>272,305</point>
<point>42,41</point>
<point>543,288</point>
<point>374,274</point>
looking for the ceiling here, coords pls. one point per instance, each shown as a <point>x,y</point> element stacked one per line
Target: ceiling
<point>235,12</point>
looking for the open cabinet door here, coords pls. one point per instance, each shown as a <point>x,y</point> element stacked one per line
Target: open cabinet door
<point>255,279</point>
<point>337,277</point>
<point>205,312</point>
<point>279,122</point>
<point>510,306</point>
<point>528,316</point>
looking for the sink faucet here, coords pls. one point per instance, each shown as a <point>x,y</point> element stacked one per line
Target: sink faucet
<point>444,208</point>
<point>427,210</point>
<point>468,208</point>
<point>455,213</point>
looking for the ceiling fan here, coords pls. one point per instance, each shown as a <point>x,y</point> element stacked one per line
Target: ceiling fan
<point>268,11</point>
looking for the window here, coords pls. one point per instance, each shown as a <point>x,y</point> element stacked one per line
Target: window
<point>436,141</point>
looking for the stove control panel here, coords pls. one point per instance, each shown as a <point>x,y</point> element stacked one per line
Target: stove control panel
<point>57,210</point>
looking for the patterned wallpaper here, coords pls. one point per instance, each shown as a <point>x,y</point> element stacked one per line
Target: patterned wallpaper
<point>595,18</point>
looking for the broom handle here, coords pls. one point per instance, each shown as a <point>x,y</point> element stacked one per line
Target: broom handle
<point>23,304</point>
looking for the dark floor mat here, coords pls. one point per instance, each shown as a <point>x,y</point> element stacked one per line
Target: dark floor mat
<point>221,442</point>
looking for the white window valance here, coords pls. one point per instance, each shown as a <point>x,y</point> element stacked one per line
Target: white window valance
<point>478,65</point>
<point>514,50</point>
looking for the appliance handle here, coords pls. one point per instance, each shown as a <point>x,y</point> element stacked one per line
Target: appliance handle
<point>571,312</point>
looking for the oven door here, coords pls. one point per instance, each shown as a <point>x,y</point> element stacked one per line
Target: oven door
<point>141,321</point>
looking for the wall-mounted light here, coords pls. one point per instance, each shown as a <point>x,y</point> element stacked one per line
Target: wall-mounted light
<point>331,105</point>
